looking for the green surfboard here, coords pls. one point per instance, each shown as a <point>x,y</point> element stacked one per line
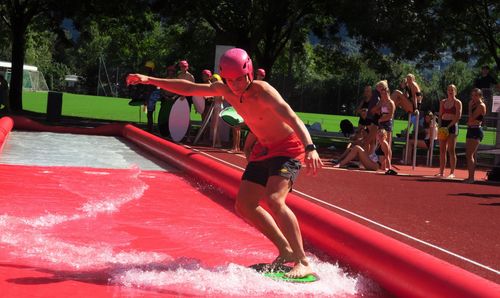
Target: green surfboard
<point>278,273</point>
<point>231,117</point>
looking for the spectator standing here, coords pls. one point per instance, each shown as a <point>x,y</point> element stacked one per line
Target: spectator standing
<point>184,74</point>
<point>486,80</point>
<point>450,111</point>
<point>373,117</point>
<point>477,110</point>
<point>206,76</point>
<point>215,123</point>
<point>385,108</point>
<point>362,108</point>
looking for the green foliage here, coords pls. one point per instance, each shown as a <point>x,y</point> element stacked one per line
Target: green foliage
<point>318,54</point>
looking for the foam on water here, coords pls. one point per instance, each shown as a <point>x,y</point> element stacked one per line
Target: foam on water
<point>45,240</point>
<point>236,280</point>
<point>28,239</point>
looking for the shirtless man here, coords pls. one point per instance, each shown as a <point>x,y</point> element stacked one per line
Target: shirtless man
<point>280,142</point>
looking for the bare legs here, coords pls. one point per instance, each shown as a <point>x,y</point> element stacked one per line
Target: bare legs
<point>279,225</point>
<point>400,100</point>
<point>362,155</point>
<point>448,146</point>
<point>471,146</point>
<point>236,139</point>
<point>452,142</point>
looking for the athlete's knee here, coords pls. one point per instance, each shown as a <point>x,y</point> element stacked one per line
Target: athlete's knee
<point>276,203</point>
<point>242,206</point>
<point>395,96</point>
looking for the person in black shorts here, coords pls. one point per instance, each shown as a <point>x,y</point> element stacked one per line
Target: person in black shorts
<point>450,111</point>
<point>477,110</point>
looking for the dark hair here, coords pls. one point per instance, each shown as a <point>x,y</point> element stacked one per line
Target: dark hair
<point>485,67</point>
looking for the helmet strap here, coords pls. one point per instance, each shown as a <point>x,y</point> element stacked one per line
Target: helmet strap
<point>248,87</point>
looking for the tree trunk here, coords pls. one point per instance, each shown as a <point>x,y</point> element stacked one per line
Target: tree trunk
<point>18,51</point>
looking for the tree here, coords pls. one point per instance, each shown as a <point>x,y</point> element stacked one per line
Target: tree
<point>263,28</point>
<point>18,15</point>
<point>473,29</point>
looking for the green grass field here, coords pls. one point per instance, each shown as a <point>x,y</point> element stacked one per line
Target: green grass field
<point>112,108</point>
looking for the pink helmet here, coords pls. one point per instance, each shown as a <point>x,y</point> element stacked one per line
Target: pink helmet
<point>235,63</point>
<point>207,72</point>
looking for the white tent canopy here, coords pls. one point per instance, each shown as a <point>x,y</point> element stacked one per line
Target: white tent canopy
<point>4,64</point>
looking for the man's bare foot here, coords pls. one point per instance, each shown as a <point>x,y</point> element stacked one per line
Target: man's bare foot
<point>301,269</point>
<point>283,258</point>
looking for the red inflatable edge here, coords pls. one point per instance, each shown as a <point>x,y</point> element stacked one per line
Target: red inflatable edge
<point>399,268</point>
<point>6,124</point>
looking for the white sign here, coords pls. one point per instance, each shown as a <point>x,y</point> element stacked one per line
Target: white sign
<point>219,50</point>
<point>495,107</point>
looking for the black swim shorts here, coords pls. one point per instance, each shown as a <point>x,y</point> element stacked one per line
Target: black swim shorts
<point>475,133</point>
<point>260,171</point>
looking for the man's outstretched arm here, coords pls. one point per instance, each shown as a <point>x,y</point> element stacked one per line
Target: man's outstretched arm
<point>178,86</point>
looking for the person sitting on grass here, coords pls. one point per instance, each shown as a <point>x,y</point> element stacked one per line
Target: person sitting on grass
<point>379,160</point>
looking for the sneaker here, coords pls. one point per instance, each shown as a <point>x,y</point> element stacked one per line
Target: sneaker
<point>439,175</point>
<point>352,165</point>
<point>451,176</point>
<point>391,172</point>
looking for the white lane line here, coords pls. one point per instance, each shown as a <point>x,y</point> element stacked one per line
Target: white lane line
<point>399,233</point>
<point>368,220</point>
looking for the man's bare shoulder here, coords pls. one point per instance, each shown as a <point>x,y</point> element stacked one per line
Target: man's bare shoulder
<point>222,89</point>
<point>264,90</point>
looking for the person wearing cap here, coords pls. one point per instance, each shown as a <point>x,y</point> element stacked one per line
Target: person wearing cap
<point>280,143</point>
<point>145,95</point>
<point>206,75</point>
<point>215,121</point>
<point>166,95</point>
<point>261,74</point>
<point>184,73</point>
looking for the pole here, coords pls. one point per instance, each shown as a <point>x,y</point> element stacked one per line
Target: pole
<point>405,152</point>
<point>204,124</point>
<point>98,76</point>
<point>415,139</point>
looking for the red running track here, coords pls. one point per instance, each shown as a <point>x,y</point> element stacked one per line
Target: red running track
<point>399,268</point>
